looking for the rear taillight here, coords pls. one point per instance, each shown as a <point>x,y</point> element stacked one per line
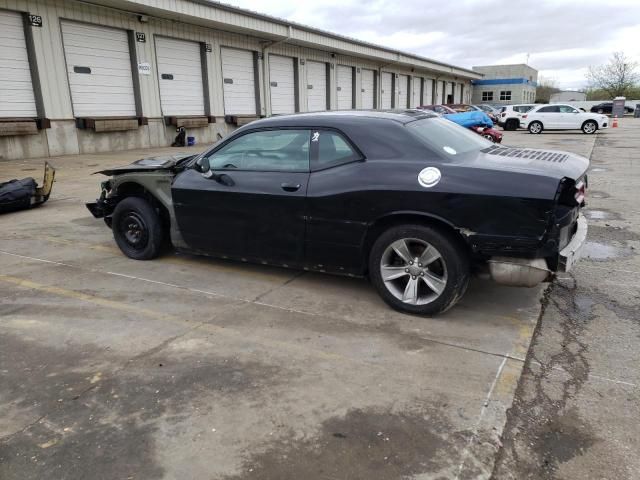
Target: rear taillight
<point>581,192</point>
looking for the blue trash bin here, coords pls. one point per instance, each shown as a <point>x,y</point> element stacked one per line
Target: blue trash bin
<point>191,141</point>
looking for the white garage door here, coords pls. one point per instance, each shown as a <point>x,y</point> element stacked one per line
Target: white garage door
<point>344,81</point>
<point>386,90</point>
<point>368,89</point>
<point>403,91</point>
<point>416,89</point>
<point>16,91</point>
<point>99,69</point>
<point>283,87</point>
<point>180,74</point>
<point>428,92</point>
<point>238,80</point>
<point>316,86</point>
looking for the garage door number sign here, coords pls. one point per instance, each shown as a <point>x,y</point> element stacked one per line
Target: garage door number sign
<point>35,20</point>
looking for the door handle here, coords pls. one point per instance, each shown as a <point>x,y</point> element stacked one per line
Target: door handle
<point>290,187</point>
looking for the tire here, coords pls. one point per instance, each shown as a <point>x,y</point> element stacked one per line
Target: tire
<point>589,127</point>
<point>490,138</point>
<point>137,229</point>
<point>600,111</point>
<point>535,128</point>
<point>511,124</point>
<point>448,270</point>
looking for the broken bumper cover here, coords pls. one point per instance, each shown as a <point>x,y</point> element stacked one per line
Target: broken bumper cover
<point>570,254</point>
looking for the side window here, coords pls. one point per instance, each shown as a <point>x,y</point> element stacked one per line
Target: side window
<point>549,109</point>
<point>267,151</point>
<point>332,149</point>
<point>567,109</point>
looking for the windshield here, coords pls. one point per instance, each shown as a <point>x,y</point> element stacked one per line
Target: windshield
<point>446,137</point>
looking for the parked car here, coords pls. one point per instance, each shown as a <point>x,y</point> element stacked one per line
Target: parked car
<point>489,110</point>
<point>562,117</point>
<point>478,122</point>
<point>463,107</point>
<point>607,107</point>
<point>509,115</point>
<point>441,109</point>
<point>409,199</point>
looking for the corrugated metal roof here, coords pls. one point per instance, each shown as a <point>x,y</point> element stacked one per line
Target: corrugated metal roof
<point>309,35</point>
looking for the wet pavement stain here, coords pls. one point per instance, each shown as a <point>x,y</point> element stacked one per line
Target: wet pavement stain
<point>91,421</point>
<point>362,445</point>
<point>601,214</point>
<point>602,252</point>
<point>597,194</point>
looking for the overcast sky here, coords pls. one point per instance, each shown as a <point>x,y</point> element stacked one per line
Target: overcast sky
<point>562,38</point>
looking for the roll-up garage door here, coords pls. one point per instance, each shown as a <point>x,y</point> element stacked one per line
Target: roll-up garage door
<point>344,81</point>
<point>416,89</point>
<point>99,70</point>
<point>386,90</point>
<point>180,76</point>
<point>403,91</point>
<point>316,86</point>
<point>428,92</point>
<point>16,90</point>
<point>449,96</point>
<point>238,81</point>
<point>368,89</point>
<point>282,84</point>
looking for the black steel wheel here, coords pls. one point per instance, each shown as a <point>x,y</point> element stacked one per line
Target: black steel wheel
<point>137,228</point>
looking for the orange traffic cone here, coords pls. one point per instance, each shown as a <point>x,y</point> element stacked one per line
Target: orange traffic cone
<point>615,122</point>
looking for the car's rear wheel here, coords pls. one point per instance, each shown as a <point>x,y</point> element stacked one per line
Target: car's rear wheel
<point>535,127</point>
<point>418,269</point>
<point>589,127</point>
<point>137,228</point>
<point>600,110</point>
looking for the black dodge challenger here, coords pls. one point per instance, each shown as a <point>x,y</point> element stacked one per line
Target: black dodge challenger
<point>412,201</point>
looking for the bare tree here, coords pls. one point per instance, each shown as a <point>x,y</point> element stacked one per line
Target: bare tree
<point>546,87</point>
<point>616,78</point>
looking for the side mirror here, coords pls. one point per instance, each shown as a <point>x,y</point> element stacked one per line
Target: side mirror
<point>202,165</point>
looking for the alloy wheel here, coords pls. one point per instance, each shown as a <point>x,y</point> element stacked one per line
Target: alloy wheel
<point>413,271</point>
<point>589,127</point>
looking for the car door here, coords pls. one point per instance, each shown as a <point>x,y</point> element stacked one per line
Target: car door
<point>334,231</point>
<point>253,204</point>
<point>549,116</point>
<point>570,117</point>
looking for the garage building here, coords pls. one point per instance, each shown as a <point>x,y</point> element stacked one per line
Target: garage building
<point>79,77</point>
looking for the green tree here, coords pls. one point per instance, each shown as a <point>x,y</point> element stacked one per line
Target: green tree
<point>616,78</point>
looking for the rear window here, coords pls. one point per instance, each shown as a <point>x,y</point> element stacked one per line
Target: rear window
<point>446,137</point>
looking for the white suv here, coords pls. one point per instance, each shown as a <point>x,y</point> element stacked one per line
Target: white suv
<point>509,115</point>
<point>562,117</point>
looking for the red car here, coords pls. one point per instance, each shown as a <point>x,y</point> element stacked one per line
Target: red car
<point>489,133</point>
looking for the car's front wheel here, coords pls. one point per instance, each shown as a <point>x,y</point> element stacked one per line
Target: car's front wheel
<point>137,228</point>
<point>489,137</point>
<point>589,127</point>
<point>419,269</point>
<point>535,127</point>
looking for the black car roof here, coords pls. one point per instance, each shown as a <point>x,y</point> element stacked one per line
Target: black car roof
<point>336,118</point>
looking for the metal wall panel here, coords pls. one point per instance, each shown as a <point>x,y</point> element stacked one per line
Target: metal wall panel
<point>238,81</point>
<point>180,77</point>
<point>99,70</point>
<point>16,90</point>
